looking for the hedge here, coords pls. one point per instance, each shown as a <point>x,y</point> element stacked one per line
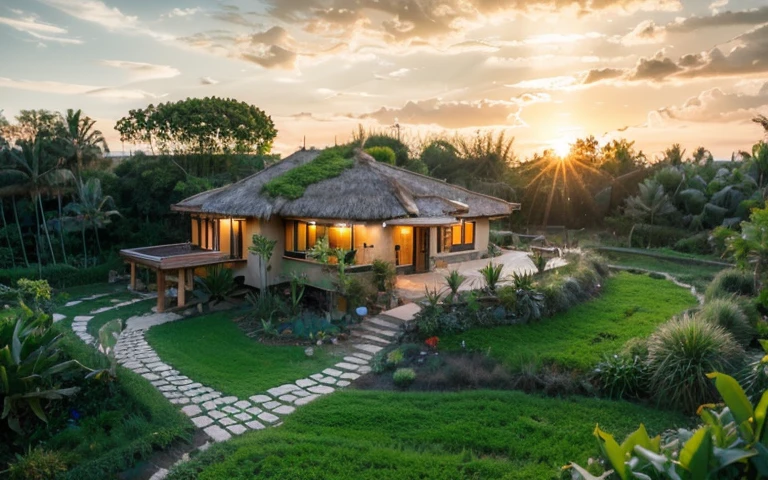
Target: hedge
<point>61,275</point>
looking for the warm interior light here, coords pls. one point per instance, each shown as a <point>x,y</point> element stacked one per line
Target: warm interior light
<point>384,225</point>
<point>404,231</point>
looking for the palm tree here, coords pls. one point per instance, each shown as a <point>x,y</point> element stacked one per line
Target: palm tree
<point>650,204</point>
<point>36,172</point>
<point>82,143</point>
<point>762,120</point>
<point>90,210</point>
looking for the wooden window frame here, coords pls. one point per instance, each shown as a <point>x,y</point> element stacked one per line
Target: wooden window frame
<point>462,247</point>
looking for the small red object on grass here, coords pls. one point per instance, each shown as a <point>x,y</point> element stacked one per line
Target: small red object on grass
<point>432,342</point>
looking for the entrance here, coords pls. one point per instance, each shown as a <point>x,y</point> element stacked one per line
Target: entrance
<point>420,249</point>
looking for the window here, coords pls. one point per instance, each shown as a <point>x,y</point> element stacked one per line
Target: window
<point>300,237</point>
<point>457,238</point>
<point>222,234</point>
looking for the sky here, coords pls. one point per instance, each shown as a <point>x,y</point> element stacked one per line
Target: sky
<point>545,72</point>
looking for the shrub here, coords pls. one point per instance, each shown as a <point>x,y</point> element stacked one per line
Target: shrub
<point>217,285</point>
<point>622,376</point>
<point>454,280</point>
<point>404,377</point>
<point>636,347</point>
<point>395,357</point>
<point>729,316</point>
<point>507,297</point>
<point>657,276</point>
<point>522,281</point>
<point>762,329</point>
<point>540,262</point>
<point>384,274</point>
<point>755,376</point>
<point>680,355</point>
<point>645,235</point>
<point>698,243</point>
<point>730,282</point>
<point>61,275</point>
<point>34,292</point>
<point>382,154</point>
<point>38,464</point>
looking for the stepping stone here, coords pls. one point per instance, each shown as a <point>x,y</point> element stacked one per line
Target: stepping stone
<point>272,405</point>
<point>288,398</point>
<point>227,421</point>
<point>321,389</point>
<point>284,410</point>
<point>350,376</point>
<point>82,318</point>
<point>301,393</point>
<point>374,338</point>
<point>260,399</point>
<point>254,411</point>
<point>268,417</point>
<point>355,360</point>
<point>215,414</point>
<point>228,400</point>
<point>149,376</point>
<point>57,317</point>
<point>179,401</point>
<point>403,313</point>
<point>243,404</point>
<point>73,303</point>
<point>363,356</point>
<point>230,410</point>
<point>382,323</point>
<point>366,347</point>
<point>282,390</point>
<point>192,410</point>
<point>347,366</point>
<point>332,372</point>
<point>194,386</point>
<point>159,383</point>
<point>161,369</point>
<point>379,331</point>
<point>202,421</point>
<point>217,433</point>
<point>343,383</point>
<point>167,388</point>
<point>243,417</point>
<point>327,381</point>
<point>237,429</point>
<point>254,425</point>
<point>305,382</point>
<point>209,405</point>
<point>306,400</point>
<point>317,376</point>
<point>364,370</point>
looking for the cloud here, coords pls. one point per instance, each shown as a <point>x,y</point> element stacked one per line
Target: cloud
<point>143,71</point>
<point>601,74</point>
<point>714,105</point>
<point>183,12</point>
<point>655,68</point>
<point>111,18</point>
<point>60,88</point>
<point>645,32</point>
<point>40,31</point>
<point>208,81</point>
<point>547,83</point>
<point>451,114</point>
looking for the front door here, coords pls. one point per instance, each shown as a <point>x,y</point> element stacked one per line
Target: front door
<point>420,249</point>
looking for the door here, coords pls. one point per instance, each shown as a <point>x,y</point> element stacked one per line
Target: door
<point>420,249</point>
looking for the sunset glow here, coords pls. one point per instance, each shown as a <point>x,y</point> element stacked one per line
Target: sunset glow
<point>653,71</point>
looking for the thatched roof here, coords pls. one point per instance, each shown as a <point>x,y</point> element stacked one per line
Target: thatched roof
<point>368,191</point>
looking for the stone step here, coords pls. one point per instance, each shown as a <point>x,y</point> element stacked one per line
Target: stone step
<point>368,348</point>
<point>378,331</point>
<point>403,313</point>
<point>371,338</point>
<point>383,323</point>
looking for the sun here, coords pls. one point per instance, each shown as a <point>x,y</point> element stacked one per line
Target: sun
<point>561,147</point>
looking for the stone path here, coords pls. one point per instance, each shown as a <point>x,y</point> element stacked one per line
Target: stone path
<point>80,322</point>
<point>221,416</point>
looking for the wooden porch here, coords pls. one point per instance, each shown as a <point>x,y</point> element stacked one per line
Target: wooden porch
<point>175,263</point>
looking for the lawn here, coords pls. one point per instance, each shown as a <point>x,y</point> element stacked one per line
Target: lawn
<point>629,306</point>
<point>693,274</point>
<point>214,351</point>
<point>477,434</point>
<point>124,313</point>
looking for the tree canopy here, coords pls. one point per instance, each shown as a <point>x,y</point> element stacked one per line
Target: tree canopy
<point>200,125</point>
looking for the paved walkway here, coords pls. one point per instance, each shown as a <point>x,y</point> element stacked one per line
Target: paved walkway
<point>412,286</point>
<point>221,416</point>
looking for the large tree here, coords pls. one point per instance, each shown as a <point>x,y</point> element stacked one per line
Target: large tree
<point>200,125</point>
<point>92,208</point>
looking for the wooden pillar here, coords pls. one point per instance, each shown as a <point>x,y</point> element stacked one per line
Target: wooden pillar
<point>190,277</point>
<point>160,291</point>
<point>133,276</point>
<point>182,288</point>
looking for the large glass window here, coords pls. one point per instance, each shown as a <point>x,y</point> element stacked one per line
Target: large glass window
<point>300,236</point>
<point>222,234</point>
<point>457,238</point>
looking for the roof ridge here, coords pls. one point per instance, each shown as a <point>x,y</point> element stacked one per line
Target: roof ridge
<point>403,194</point>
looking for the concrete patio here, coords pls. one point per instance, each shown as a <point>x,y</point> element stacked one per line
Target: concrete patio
<point>411,287</point>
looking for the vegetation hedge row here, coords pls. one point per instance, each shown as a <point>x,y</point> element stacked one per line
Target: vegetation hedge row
<point>61,275</point>
<point>292,184</point>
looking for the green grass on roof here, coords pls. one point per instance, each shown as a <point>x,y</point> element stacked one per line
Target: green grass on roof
<point>292,184</point>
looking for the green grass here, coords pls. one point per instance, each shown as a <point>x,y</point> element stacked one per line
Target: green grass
<point>629,306</point>
<point>123,313</point>
<point>697,275</point>
<point>291,184</point>
<point>214,351</point>
<point>384,435</point>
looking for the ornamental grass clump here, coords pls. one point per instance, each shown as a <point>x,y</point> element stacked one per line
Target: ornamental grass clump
<point>730,282</point>
<point>728,315</point>
<point>404,377</point>
<point>680,355</point>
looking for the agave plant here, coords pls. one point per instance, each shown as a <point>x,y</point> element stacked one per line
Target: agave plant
<point>491,276</point>
<point>454,279</point>
<point>216,286</point>
<point>32,368</point>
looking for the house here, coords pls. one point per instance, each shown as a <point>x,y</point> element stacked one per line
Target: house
<point>377,210</point>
